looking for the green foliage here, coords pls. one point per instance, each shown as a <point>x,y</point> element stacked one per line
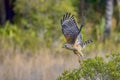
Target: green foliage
<point>99,30</point>
<point>93,69</point>
<point>43,16</point>
<point>38,21</point>
<point>13,36</point>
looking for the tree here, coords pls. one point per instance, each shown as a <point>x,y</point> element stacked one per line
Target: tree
<point>82,5</point>
<point>118,1</point>
<point>2,12</point>
<point>6,11</point>
<point>108,17</point>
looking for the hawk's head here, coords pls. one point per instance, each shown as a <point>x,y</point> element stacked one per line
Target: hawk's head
<point>68,46</point>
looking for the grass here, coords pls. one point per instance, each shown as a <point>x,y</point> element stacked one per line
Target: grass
<point>41,66</point>
<point>47,64</point>
<point>44,64</point>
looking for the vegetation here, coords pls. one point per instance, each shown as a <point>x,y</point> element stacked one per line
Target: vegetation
<point>30,28</point>
<point>93,69</point>
<point>41,19</point>
<point>13,36</point>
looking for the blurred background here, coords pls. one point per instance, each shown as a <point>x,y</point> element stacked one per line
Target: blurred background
<point>31,38</point>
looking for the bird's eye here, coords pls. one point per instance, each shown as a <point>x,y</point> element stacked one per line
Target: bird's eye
<point>65,45</point>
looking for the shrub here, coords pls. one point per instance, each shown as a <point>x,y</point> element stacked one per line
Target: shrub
<point>93,69</point>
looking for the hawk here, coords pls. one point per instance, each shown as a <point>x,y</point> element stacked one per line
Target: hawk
<point>73,35</point>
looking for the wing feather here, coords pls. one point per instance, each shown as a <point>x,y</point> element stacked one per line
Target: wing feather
<point>69,28</point>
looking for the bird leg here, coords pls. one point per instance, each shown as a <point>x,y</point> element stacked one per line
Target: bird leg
<point>80,58</point>
<point>79,54</point>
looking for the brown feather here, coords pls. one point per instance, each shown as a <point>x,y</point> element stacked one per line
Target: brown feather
<point>68,38</point>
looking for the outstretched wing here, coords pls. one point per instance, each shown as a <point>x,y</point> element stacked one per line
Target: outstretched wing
<point>69,28</point>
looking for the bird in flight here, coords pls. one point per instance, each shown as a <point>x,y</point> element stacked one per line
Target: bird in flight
<point>73,35</point>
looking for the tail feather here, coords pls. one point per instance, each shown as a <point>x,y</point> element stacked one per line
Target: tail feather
<point>86,42</point>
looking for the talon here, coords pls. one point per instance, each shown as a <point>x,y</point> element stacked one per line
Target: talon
<point>79,60</point>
